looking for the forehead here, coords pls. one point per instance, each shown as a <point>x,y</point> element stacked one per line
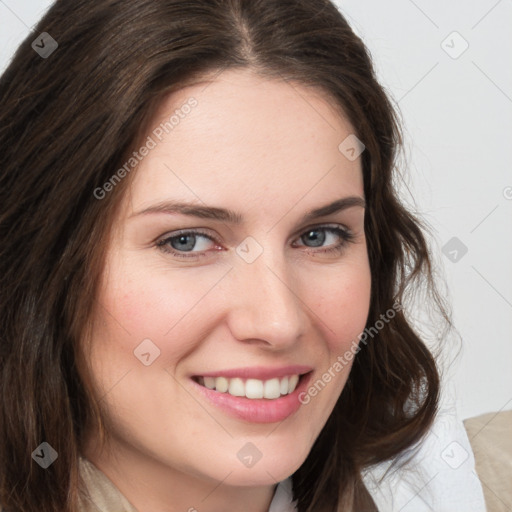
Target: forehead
<point>243,139</point>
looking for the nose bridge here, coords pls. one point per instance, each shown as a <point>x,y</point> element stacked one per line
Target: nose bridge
<point>266,306</point>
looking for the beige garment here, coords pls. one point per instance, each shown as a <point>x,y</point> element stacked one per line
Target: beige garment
<point>104,495</point>
<point>490,436</point>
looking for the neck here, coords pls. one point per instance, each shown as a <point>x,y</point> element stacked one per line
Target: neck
<point>149,485</point>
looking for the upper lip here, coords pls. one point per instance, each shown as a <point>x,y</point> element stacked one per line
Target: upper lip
<point>259,372</point>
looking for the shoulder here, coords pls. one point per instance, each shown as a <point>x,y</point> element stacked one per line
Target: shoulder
<point>491,441</point>
<point>439,476</point>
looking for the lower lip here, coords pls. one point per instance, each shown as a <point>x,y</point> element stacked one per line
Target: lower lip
<point>257,410</point>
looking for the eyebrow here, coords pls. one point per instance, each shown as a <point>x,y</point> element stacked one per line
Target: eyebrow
<point>231,217</point>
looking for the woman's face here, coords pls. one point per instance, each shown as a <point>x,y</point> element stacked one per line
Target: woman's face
<point>248,287</point>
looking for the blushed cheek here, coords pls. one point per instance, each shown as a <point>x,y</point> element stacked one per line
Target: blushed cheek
<point>346,310</point>
<point>142,305</point>
<point>151,299</point>
<point>150,305</point>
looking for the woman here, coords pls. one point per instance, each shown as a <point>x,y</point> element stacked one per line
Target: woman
<point>203,263</point>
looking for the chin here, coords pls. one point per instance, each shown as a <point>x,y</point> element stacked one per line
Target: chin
<point>262,474</point>
<point>274,465</point>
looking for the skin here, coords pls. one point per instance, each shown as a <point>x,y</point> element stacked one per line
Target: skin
<point>269,151</point>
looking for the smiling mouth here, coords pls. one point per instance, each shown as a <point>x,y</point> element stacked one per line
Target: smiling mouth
<point>252,389</point>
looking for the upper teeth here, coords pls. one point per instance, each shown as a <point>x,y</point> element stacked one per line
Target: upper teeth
<point>252,388</point>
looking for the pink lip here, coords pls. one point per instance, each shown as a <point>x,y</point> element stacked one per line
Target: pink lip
<point>260,410</point>
<point>259,372</point>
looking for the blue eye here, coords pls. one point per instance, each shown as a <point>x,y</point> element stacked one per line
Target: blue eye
<point>184,242</point>
<point>319,235</point>
<point>195,242</point>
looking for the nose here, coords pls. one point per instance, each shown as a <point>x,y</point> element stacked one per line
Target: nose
<point>265,308</point>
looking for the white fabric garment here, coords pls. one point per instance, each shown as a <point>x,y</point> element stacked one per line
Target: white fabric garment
<point>282,501</point>
<point>440,478</point>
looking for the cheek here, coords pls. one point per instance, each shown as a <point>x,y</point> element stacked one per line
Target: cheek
<point>343,304</point>
<point>140,302</point>
<point>151,301</point>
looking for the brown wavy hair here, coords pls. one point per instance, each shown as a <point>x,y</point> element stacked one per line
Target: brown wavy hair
<point>68,121</point>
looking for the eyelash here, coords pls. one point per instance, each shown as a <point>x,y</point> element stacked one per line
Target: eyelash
<point>345,235</point>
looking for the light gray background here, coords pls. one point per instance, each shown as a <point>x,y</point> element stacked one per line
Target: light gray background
<point>457,113</point>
